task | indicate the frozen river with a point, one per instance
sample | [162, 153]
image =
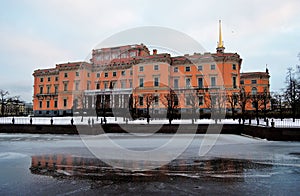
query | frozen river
[63, 165]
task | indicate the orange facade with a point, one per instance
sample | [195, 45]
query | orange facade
[256, 85]
[129, 77]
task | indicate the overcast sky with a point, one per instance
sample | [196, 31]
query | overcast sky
[40, 34]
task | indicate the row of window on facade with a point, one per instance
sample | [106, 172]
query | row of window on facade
[252, 82]
[141, 69]
[55, 103]
[156, 83]
[48, 89]
[49, 79]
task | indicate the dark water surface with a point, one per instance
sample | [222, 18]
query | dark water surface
[62, 165]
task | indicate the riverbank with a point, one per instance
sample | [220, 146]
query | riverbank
[269, 133]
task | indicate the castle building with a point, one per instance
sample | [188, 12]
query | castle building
[129, 77]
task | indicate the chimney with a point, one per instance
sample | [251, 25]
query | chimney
[154, 52]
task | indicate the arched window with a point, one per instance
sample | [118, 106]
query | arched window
[254, 91]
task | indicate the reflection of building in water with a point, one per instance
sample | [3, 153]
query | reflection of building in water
[93, 167]
[63, 162]
[130, 78]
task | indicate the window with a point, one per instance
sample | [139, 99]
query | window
[213, 81]
[156, 67]
[200, 82]
[114, 74]
[49, 79]
[75, 104]
[113, 84]
[88, 85]
[141, 68]
[65, 86]
[48, 89]
[234, 66]
[188, 82]
[41, 79]
[66, 75]
[48, 104]
[88, 74]
[156, 81]
[234, 81]
[41, 104]
[201, 100]
[130, 83]
[175, 69]
[77, 73]
[242, 81]
[156, 100]
[213, 100]
[76, 86]
[187, 100]
[123, 84]
[55, 103]
[97, 86]
[56, 78]
[41, 90]
[254, 91]
[188, 68]
[141, 82]
[65, 103]
[105, 85]
[253, 81]
[106, 74]
[176, 83]
[123, 73]
[235, 99]
[199, 67]
[176, 100]
[141, 101]
[55, 89]
[131, 72]
[98, 75]
[212, 67]
[254, 104]
[132, 54]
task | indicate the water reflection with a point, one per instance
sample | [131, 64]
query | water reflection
[87, 167]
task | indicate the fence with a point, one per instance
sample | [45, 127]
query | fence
[285, 123]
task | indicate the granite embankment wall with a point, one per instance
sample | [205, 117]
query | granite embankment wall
[269, 133]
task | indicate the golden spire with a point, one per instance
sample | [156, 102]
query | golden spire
[220, 44]
[220, 47]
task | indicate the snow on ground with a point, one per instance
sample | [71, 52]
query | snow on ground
[78, 120]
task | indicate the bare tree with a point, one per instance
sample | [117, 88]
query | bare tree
[133, 103]
[264, 101]
[149, 100]
[217, 103]
[244, 98]
[192, 99]
[3, 95]
[276, 103]
[170, 101]
[233, 101]
[292, 93]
